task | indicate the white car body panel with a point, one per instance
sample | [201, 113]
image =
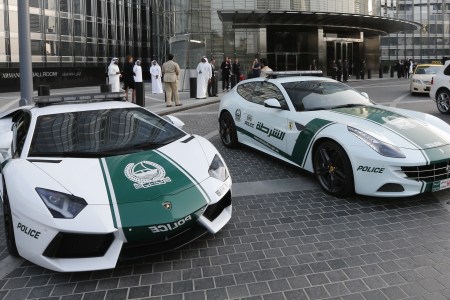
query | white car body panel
[370, 169]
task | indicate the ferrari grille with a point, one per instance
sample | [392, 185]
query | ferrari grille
[428, 173]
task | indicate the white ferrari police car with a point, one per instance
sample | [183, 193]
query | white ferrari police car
[88, 179]
[350, 143]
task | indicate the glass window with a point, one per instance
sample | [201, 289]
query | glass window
[32, 3]
[101, 132]
[35, 23]
[64, 23]
[245, 90]
[77, 28]
[77, 6]
[66, 49]
[51, 48]
[36, 47]
[50, 4]
[264, 90]
[64, 5]
[315, 95]
[50, 24]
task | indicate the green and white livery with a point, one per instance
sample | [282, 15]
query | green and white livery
[84, 184]
[350, 143]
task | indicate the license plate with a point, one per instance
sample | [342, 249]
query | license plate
[441, 185]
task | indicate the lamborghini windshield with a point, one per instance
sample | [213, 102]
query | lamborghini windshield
[317, 95]
[97, 133]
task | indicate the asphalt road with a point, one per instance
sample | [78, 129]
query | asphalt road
[286, 240]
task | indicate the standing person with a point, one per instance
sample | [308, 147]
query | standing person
[411, 68]
[406, 66]
[212, 88]
[128, 79]
[156, 73]
[170, 71]
[313, 65]
[138, 83]
[333, 69]
[345, 67]
[264, 68]
[399, 69]
[256, 68]
[203, 78]
[114, 75]
[339, 70]
[226, 71]
[236, 67]
[363, 68]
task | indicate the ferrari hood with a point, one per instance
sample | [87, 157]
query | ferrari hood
[391, 127]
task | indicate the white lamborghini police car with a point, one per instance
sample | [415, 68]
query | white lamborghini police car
[350, 143]
[86, 179]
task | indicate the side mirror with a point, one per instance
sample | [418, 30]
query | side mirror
[272, 103]
[365, 95]
[174, 121]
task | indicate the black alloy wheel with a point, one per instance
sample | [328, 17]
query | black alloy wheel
[443, 101]
[9, 226]
[333, 169]
[227, 130]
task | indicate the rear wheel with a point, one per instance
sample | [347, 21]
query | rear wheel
[227, 130]
[443, 101]
[9, 227]
[333, 169]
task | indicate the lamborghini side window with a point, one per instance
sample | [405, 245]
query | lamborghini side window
[21, 126]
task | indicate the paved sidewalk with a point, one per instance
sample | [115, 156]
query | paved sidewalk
[155, 102]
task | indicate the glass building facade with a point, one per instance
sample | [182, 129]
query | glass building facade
[288, 46]
[78, 34]
[430, 43]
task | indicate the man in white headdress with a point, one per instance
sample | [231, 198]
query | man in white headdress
[114, 75]
[155, 71]
[203, 77]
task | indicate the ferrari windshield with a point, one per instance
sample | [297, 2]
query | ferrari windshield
[318, 94]
[98, 133]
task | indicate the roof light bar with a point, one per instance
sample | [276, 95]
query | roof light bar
[78, 98]
[276, 74]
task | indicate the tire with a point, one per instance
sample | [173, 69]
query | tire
[8, 222]
[333, 169]
[227, 130]
[443, 101]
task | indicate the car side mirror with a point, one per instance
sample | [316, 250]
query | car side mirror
[174, 121]
[272, 103]
[365, 94]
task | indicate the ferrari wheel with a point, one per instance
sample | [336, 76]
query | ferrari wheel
[333, 169]
[227, 130]
[443, 101]
[9, 227]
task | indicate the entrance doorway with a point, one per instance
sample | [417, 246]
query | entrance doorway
[342, 50]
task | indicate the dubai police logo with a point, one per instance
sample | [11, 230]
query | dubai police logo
[146, 174]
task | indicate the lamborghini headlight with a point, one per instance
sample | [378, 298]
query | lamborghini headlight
[217, 169]
[377, 145]
[60, 205]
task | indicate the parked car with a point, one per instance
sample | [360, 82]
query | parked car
[440, 89]
[87, 179]
[350, 143]
[421, 78]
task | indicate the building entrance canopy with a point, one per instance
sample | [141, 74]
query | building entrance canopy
[370, 25]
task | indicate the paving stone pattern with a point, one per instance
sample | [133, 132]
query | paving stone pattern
[293, 245]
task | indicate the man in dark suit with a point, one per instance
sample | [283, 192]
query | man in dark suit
[212, 86]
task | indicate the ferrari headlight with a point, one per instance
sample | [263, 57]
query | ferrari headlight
[377, 145]
[60, 205]
[217, 169]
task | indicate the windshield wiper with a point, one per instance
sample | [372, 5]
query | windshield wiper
[348, 105]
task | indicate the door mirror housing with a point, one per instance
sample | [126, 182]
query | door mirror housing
[272, 103]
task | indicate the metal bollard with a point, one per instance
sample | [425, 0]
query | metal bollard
[380, 72]
[369, 74]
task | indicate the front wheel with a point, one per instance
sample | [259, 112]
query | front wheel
[333, 169]
[443, 101]
[9, 227]
[227, 130]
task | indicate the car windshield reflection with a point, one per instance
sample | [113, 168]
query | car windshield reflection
[99, 133]
[319, 95]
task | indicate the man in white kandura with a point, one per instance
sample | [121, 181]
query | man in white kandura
[155, 71]
[203, 77]
[114, 75]
[137, 70]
